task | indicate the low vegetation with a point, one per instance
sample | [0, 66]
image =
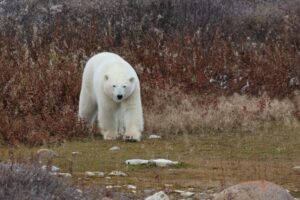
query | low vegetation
[210, 161]
[28, 182]
[203, 64]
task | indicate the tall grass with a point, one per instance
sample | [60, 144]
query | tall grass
[188, 55]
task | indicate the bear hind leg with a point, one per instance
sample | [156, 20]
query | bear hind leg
[87, 110]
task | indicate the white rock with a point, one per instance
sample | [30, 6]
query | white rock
[56, 8]
[185, 194]
[115, 148]
[79, 191]
[296, 168]
[89, 174]
[112, 186]
[99, 174]
[295, 81]
[154, 137]
[158, 196]
[117, 173]
[136, 162]
[53, 168]
[178, 191]
[94, 174]
[132, 187]
[163, 162]
[74, 153]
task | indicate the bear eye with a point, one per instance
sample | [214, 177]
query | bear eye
[124, 86]
[114, 85]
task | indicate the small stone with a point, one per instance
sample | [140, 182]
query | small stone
[158, 196]
[65, 175]
[117, 173]
[154, 137]
[89, 174]
[187, 194]
[60, 174]
[94, 174]
[99, 174]
[56, 8]
[74, 153]
[115, 148]
[112, 186]
[136, 162]
[79, 191]
[52, 169]
[132, 187]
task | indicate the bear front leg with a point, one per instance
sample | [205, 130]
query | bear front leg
[107, 125]
[133, 124]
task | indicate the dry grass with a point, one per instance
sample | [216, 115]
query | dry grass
[197, 114]
[202, 51]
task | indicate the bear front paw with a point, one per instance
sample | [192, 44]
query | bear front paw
[132, 137]
[109, 136]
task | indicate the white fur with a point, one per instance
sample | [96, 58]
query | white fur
[107, 75]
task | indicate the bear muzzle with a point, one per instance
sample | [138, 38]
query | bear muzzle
[119, 96]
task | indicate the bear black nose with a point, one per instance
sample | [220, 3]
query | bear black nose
[119, 96]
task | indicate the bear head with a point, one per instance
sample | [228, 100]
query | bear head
[118, 88]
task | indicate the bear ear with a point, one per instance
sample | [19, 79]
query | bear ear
[131, 80]
[106, 77]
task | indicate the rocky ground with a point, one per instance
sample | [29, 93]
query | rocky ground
[183, 166]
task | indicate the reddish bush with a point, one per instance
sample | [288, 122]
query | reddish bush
[201, 47]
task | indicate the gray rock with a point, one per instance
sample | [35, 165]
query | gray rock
[75, 153]
[93, 174]
[51, 169]
[115, 148]
[295, 81]
[117, 173]
[154, 137]
[296, 168]
[158, 196]
[131, 187]
[258, 190]
[185, 194]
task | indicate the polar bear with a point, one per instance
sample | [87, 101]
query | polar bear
[111, 96]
